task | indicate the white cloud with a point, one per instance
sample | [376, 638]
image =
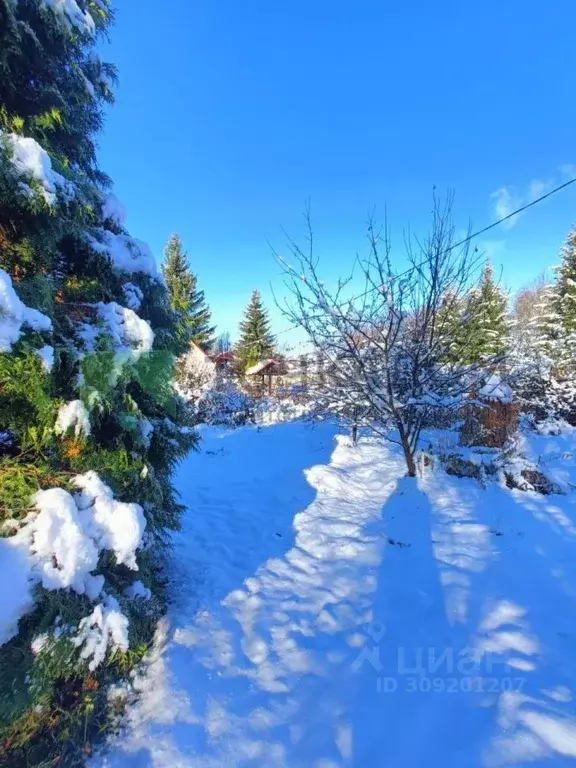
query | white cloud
[568, 171]
[508, 199]
[538, 187]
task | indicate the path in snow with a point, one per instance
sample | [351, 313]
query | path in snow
[323, 611]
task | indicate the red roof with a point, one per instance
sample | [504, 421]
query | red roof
[222, 357]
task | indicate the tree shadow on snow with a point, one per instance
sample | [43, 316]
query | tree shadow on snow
[474, 607]
[412, 651]
[226, 652]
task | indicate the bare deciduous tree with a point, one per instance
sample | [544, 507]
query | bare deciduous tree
[388, 351]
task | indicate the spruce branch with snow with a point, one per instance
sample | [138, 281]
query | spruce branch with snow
[90, 426]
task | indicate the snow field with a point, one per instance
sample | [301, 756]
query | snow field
[329, 612]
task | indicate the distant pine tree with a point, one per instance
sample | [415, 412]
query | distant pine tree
[256, 339]
[485, 325]
[189, 303]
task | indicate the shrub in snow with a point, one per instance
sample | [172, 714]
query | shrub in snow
[227, 405]
[491, 417]
[131, 336]
[274, 410]
[195, 375]
[115, 337]
[114, 525]
[59, 546]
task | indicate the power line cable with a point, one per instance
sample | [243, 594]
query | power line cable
[453, 247]
[471, 237]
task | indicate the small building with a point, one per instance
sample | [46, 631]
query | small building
[491, 416]
[224, 361]
[264, 371]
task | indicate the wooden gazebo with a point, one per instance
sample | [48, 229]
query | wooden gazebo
[265, 370]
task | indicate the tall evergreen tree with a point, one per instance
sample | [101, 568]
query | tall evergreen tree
[486, 324]
[565, 298]
[88, 418]
[256, 339]
[450, 328]
[194, 316]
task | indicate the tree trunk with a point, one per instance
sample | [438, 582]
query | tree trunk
[354, 434]
[409, 456]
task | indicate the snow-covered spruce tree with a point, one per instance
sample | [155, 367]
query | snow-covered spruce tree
[485, 323]
[90, 428]
[451, 327]
[256, 340]
[565, 294]
[526, 315]
[194, 316]
[545, 364]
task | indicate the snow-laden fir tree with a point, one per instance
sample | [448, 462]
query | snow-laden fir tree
[256, 340]
[194, 316]
[485, 322]
[90, 427]
[451, 326]
[565, 298]
[544, 357]
[555, 320]
[556, 338]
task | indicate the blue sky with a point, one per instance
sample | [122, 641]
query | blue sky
[229, 116]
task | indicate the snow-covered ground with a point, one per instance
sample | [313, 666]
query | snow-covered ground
[329, 612]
